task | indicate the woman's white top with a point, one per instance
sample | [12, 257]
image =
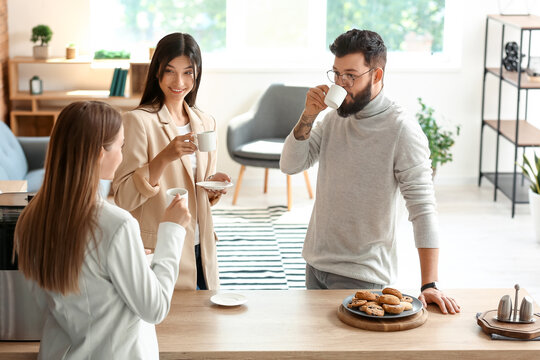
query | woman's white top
[183, 130]
[119, 292]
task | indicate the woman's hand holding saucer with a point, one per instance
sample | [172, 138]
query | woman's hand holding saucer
[219, 176]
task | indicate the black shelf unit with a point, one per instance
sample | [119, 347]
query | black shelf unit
[517, 131]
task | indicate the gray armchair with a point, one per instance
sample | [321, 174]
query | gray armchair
[22, 158]
[256, 138]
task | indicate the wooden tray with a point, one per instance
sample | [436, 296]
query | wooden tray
[519, 331]
[406, 323]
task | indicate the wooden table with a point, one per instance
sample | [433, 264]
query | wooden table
[300, 324]
[13, 186]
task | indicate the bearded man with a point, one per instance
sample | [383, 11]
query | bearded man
[368, 151]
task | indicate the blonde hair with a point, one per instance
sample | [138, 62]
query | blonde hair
[54, 230]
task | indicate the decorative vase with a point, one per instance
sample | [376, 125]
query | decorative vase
[71, 53]
[41, 52]
[534, 203]
[36, 85]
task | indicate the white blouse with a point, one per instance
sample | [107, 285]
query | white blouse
[119, 292]
[183, 130]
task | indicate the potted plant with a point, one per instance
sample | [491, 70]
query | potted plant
[111, 54]
[41, 33]
[71, 51]
[532, 172]
[440, 140]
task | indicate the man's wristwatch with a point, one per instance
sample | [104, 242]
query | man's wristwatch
[433, 285]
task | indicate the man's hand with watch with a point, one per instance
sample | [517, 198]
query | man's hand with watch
[430, 293]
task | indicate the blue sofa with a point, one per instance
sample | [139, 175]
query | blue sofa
[22, 158]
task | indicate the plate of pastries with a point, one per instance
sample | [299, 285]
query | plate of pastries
[387, 303]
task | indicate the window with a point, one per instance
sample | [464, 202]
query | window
[266, 32]
[409, 25]
[139, 24]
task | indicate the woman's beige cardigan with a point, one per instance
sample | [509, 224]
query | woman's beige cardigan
[146, 134]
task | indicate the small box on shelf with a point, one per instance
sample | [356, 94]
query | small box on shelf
[533, 71]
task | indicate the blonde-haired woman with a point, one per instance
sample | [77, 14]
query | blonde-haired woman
[85, 255]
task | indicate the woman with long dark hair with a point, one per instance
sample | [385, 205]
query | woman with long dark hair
[85, 256]
[160, 154]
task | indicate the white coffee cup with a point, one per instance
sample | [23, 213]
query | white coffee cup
[206, 141]
[171, 193]
[335, 96]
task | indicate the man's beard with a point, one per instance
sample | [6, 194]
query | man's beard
[359, 102]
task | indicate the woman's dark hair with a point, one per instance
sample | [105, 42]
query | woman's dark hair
[366, 42]
[168, 48]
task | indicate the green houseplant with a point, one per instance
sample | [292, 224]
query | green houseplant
[440, 140]
[42, 34]
[532, 172]
[110, 54]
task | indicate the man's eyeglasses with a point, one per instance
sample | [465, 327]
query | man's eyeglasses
[346, 79]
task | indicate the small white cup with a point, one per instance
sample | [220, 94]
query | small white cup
[335, 96]
[171, 193]
[206, 141]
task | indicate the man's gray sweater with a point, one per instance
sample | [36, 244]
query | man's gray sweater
[363, 159]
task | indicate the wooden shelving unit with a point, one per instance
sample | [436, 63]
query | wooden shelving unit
[34, 115]
[512, 78]
[512, 184]
[529, 135]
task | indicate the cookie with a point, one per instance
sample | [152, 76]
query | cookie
[392, 309]
[388, 299]
[406, 305]
[375, 310]
[365, 295]
[355, 303]
[364, 307]
[407, 299]
[391, 291]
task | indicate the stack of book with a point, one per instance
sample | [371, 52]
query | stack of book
[118, 84]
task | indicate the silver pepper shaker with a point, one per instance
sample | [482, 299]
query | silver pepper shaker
[526, 309]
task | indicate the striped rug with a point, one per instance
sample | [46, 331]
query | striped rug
[257, 252]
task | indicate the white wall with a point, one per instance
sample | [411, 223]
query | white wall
[455, 93]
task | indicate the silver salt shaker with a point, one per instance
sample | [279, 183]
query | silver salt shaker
[526, 309]
[505, 308]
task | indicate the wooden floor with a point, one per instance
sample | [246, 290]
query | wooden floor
[481, 245]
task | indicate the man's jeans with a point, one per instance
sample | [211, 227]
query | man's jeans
[317, 279]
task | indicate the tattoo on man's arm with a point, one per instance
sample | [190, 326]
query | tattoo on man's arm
[303, 128]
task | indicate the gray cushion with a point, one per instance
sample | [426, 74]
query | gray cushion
[34, 179]
[35, 149]
[13, 165]
[264, 149]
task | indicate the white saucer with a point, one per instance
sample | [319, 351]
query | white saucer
[228, 299]
[215, 185]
